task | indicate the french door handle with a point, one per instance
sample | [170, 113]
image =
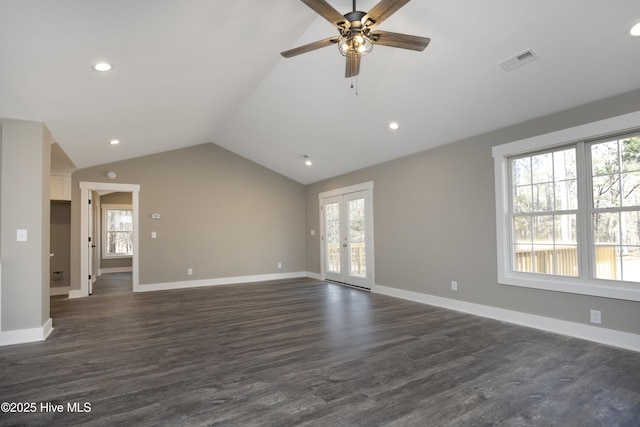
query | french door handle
[344, 245]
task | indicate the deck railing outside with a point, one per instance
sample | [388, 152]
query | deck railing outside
[357, 259]
[540, 260]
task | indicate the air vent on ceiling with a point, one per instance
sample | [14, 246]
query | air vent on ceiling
[519, 59]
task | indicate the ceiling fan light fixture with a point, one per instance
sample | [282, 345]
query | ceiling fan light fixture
[355, 41]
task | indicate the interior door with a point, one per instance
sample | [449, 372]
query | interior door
[90, 244]
[347, 243]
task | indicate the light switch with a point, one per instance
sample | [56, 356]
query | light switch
[313, 232]
[21, 235]
[153, 235]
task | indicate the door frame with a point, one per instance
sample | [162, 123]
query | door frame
[85, 188]
[366, 187]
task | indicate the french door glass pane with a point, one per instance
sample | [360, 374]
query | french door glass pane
[357, 238]
[332, 213]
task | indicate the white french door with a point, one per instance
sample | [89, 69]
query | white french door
[347, 238]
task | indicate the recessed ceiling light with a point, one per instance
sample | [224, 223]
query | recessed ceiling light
[394, 125]
[114, 142]
[102, 66]
[307, 160]
[635, 30]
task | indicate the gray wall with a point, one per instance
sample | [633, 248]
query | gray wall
[434, 222]
[222, 215]
[24, 202]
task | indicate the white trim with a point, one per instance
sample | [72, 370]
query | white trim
[313, 275]
[22, 336]
[597, 334]
[85, 187]
[102, 271]
[58, 290]
[76, 293]
[234, 280]
[501, 153]
[595, 130]
[108, 186]
[367, 188]
[346, 190]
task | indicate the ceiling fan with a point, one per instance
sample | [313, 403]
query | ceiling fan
[356, 36]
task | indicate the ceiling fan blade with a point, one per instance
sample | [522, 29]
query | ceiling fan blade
[309, 47]
[327, 11]
[403, 41]
[382, 11]
[353, 64]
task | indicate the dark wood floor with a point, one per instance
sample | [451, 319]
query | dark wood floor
[303, 352]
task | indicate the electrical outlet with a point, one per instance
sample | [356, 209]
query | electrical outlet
[596, 316]
[454, 285]
[189, 271]
[279, 265]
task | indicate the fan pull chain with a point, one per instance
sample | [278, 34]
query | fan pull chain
[356, 85]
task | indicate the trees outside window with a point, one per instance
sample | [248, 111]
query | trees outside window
[118, 231]
[568, 209]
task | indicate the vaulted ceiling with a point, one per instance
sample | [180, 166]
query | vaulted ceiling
[194, 71]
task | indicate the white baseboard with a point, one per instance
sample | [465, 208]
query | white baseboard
[219, 281]
[22, 336]
[312, 275]
[76, 293]
[102, 271]
[597, 334]
[59, 290]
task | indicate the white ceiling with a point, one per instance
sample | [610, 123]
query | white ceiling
[194, 71]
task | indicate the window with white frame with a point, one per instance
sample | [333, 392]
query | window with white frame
[117, 231]
[568, 210]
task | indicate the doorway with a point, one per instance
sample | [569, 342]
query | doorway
[347, 235]
[87, 238]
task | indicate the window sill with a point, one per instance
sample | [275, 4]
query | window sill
[117, 256]
[597, 288]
